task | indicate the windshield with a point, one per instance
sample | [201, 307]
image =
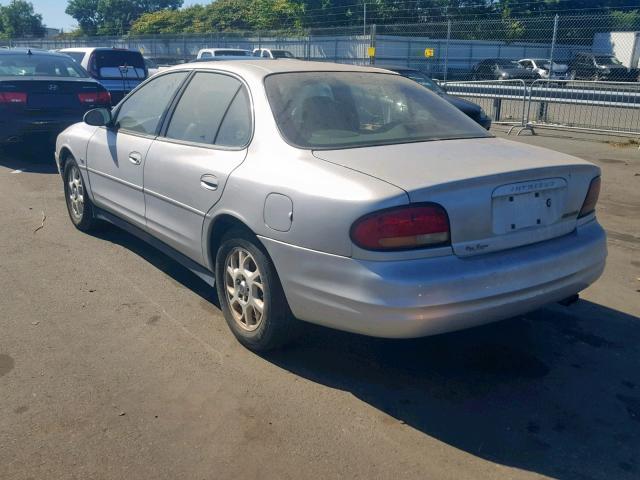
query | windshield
[281, 54]
[327, 110]
[606, 60]
[423, 80]
[23, 64]
[508, 64]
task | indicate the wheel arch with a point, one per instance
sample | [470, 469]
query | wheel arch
[218, 227]
[65, 153]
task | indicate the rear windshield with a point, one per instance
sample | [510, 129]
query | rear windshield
[326, 110]
[118, 58]
[24, 65]
[423, 80]
[281, 54]
[232, 53]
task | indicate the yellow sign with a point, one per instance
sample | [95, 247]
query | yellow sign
[429, 52]
[371, 51]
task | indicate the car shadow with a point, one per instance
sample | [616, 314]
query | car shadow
[162, 262]
[556, 392]
[33, 157]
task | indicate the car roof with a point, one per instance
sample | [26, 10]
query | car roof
[399, 68]
[91, 49]
[217, 49]
[34, 52]
[260, 69]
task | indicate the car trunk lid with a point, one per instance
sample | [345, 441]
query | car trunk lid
[498, 194]
[52, 95]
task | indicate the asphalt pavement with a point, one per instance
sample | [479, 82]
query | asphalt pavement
[116, 363]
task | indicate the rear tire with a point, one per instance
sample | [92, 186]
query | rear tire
[250, 293]
[79, 205]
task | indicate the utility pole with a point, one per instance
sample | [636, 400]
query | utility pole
[553, 45]
[364, 23]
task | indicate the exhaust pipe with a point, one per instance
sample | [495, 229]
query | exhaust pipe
[569, 300]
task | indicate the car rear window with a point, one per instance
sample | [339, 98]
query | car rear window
[25, 65]
[327, 110]
[117, 58]
[232, 53]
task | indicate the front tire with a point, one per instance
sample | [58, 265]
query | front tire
[79, 205]
[250, 293]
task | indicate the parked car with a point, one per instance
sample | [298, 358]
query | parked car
[472, 110]
[593, 66]
[43, 92]
[272, 53]
[157, 64]
[542, 66]
[501, 69]
[222, 52]
[345, 196]
[118, 69]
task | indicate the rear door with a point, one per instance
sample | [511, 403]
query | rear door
[116, 155]
[187, 167]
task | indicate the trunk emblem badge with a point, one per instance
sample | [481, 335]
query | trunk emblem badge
[53, 87]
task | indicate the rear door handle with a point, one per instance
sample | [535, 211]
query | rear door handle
[209, 182]
[135, 158]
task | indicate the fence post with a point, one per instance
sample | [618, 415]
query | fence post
[446, 50]
[372, 44]
[553, 44]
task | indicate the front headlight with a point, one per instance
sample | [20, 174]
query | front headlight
[606, 71]
[504, 75]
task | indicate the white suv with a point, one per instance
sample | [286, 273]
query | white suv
[222, 52]
[272, 53]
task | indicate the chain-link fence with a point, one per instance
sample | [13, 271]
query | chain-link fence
[564, 49]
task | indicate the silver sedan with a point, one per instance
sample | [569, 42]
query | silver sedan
[344, 196]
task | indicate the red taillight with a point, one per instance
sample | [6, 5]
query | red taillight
[402, 228]
[13, 97]
[589, 204]
[95, 97]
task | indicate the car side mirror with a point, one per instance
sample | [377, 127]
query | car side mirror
[98, 117]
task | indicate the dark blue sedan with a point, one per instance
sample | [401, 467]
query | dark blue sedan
[43, 93]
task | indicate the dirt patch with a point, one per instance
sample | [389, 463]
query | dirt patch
[6, 364]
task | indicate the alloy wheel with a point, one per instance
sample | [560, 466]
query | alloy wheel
[75, 192]
[244, 289]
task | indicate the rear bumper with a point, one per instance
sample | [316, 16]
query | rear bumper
[413, 298]
[19, 129]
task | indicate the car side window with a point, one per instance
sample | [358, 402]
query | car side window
[212, 105]
[235, 129]
[206, 55]
[143, 110]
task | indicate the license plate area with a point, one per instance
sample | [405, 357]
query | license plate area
[528, 205]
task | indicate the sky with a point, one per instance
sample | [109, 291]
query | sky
[53, 15]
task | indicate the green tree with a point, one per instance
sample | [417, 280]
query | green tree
[114, 17]
[18, 19]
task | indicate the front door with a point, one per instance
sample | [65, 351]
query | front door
[188, 165]
[116, 154]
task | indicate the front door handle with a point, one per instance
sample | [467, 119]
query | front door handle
[135, 158]
[209, 182]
